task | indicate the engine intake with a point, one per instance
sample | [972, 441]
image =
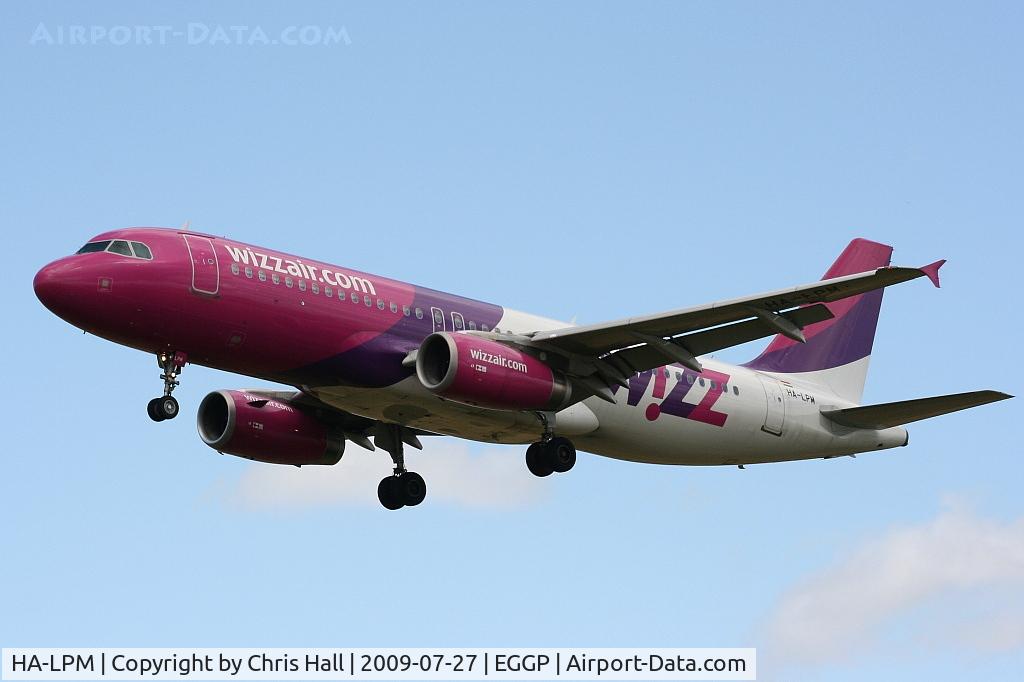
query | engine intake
[477, 371]
[265, 430]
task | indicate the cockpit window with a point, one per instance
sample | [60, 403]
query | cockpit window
[118, 246]
[121, 247]
[142, 251]
[93, 247]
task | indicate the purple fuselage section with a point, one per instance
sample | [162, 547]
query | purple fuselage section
[253, 311]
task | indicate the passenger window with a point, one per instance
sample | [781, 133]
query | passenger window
[93, 247]
[380, 304]
[248, 272]
[235, 269]
[679, 376]
[394, 307]
[328, 292]
[315, 288]
[458, 322]
[472, 326]
[121, 247]
[406, 310]
[419, 313]
[369, 303]
[668, 374]
[288, 282]
[438, 318]
[484, 328]
[355, 298]
[689, 378]
[702, 381]
[276, 277]
[262, 274]
[302, 285]
[713, 385]
[735, 390]
[142, 251]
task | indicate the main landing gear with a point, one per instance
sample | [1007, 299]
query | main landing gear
[166, 407]
[551, 454]
[544, 458]
[403, 488]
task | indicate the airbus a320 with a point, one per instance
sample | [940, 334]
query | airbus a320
[381, 364]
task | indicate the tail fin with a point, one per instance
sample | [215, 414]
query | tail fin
[837, 351]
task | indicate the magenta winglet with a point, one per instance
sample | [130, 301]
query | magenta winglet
[932, 271]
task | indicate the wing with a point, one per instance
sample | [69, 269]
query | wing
[601, 354]
[355, 428]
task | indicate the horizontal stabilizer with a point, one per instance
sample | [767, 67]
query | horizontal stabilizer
[895, 414]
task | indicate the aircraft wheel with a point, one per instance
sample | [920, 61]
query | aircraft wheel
[167, 407]
[411, 488]
[387, 493]
[153, 409]
[560, 454]
[537, 461]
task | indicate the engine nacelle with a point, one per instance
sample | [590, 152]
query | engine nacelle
[273, 431]
[477, 371]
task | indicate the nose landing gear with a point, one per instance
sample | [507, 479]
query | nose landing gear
[166, 406]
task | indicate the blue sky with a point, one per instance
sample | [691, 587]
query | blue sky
[587, 160]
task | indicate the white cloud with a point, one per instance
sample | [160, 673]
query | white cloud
[455, 474]
[837, 613]
[1000, 631]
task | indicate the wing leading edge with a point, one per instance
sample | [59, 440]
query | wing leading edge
[612, 351]
[609, 336]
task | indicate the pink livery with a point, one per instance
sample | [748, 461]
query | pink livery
[381, 364]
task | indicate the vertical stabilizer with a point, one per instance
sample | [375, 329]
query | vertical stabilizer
[837, 351]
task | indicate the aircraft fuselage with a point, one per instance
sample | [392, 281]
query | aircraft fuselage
[342, 335]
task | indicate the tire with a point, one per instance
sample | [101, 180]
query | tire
[536, 461]
[412, 489]
[560, 454]
[154, 410]
[167, 407]
[387, 493]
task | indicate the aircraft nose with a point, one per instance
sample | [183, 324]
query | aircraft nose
[47, 283]
[57, 285]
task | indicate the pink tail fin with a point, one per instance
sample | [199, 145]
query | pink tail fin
[844, 339]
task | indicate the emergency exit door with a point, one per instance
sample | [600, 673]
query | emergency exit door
[438, 318]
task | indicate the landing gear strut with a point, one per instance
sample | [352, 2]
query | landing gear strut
[403, 488]
[551, 454]
[166, 407]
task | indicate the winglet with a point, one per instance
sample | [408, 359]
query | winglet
[932, 271]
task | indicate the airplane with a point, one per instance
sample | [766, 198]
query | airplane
[369, 357]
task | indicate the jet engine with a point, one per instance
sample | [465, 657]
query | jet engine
[477, 371]
[266, 430]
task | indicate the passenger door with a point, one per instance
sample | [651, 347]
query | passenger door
[775, 417]
[205, 270]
